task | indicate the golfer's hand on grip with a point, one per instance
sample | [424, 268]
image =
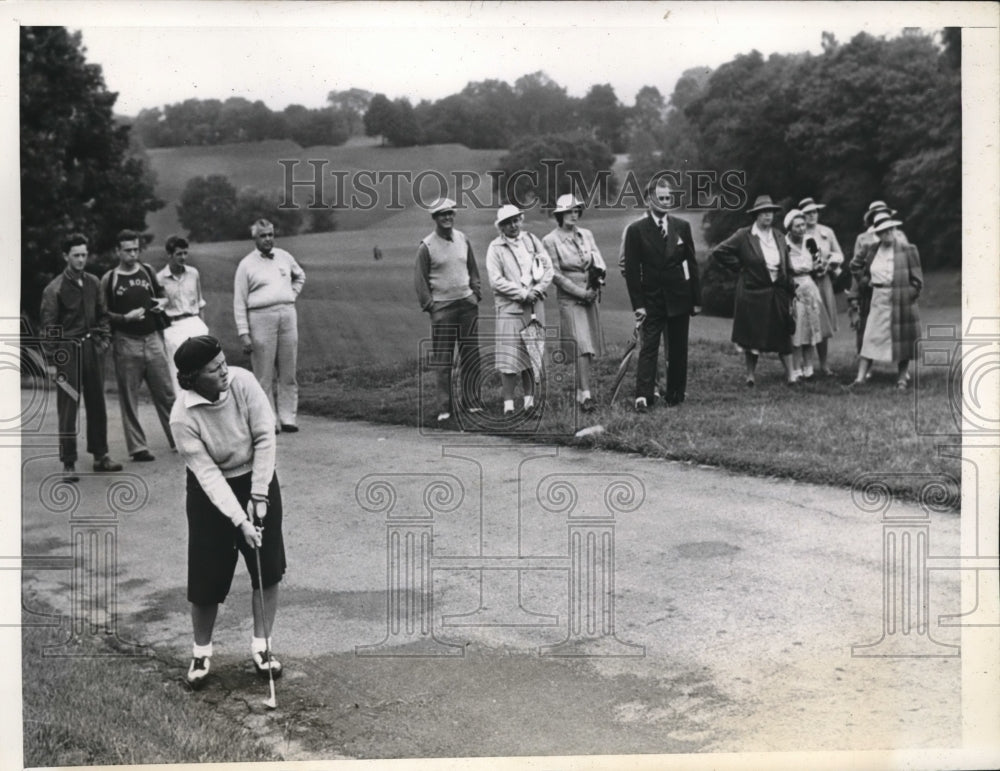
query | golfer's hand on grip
[252, 535]
[256, 509]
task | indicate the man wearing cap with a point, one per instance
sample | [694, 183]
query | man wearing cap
[268, 282]
[135, 306]
[520, 273]
[830, 262]
[448, 288]
[73, 301]
[225, 434]
[661, 274]
[182, 285]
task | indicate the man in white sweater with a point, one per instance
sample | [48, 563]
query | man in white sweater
[267, 284]
[224, 430]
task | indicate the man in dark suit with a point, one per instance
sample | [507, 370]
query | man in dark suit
[661, 273]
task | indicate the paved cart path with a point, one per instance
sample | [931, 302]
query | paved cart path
[741, 596]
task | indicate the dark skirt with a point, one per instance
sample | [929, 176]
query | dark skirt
[762, 319]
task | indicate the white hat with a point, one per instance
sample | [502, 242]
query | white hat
[883, 221]
[874, 208]
[505, 212]
[808, 204]
[790, 217]
[567, 202]
[440, 205]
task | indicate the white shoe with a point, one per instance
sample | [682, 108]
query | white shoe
[198, 671]
[262, 664]
[443, 416]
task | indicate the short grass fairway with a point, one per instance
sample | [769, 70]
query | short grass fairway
[85, 706]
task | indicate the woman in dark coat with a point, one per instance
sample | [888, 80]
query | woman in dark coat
[887, 282]
[762, 317]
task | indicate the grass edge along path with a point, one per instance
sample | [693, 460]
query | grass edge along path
[819, 432]
[93, 707]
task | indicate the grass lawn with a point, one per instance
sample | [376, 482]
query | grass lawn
[95, 708]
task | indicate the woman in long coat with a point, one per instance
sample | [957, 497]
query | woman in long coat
[575, 259]
[520, 272]
[887, 282]
[762, 318]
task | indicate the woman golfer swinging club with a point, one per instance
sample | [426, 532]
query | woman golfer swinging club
[224, 430]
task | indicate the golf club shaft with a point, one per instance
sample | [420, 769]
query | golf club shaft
[263, 619]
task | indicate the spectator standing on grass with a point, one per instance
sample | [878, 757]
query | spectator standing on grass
[73, 301]
[866, 238]
[762, 317]
[520, 272]
[887, 283]
[267, 284]
[448, 288]
[661, 273]
[182, 285]
[135, 306]
[578, 273]
[225, 434]
[811, 322]
[830, 264]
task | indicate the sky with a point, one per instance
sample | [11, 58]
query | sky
[427, 51]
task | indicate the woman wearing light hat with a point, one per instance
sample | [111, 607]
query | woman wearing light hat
[578, 272]
[811, 324]
[829, 265]
[887, 282]
[520, 272]
[865, 239]
[224, 429]
[762, 317]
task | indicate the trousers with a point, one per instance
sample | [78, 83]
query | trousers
[82, 372]
[274, 333]
[139, 359]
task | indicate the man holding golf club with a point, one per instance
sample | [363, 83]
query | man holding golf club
[224, 428]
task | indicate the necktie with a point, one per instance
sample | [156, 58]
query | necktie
[663, 228]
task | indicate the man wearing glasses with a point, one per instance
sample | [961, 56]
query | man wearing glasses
[135, 306]
[661, 274]
[448, 288]
[182, 285]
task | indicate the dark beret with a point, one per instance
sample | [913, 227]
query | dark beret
[196, 352]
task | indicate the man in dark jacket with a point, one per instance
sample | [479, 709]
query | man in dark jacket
[661, 273]
[74, 303]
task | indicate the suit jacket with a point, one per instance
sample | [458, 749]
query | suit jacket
[661, 273]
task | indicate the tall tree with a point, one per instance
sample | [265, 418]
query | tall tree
[353, 102]
[601, 110]
[379, 116]
[76, 170]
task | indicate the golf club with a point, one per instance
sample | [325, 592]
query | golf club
[623, 367]
[270, 703]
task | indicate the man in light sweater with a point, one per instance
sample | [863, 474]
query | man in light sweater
[224, 430]
[268, 282]
[448, 288]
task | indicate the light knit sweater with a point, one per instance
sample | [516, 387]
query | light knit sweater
[227, 438]
[264, 281]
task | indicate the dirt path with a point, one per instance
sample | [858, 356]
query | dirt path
[736, 601]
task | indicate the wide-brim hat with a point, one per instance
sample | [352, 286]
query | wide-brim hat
[762, 204]
[440, 205]
[874, 208]
[790, 217]
[808, 204]
[884, 221]
[568, 202]
[506, 212]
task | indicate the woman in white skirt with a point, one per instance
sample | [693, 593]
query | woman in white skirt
[578, 271]
[520, 273]
[887, 282]
[812, 325]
